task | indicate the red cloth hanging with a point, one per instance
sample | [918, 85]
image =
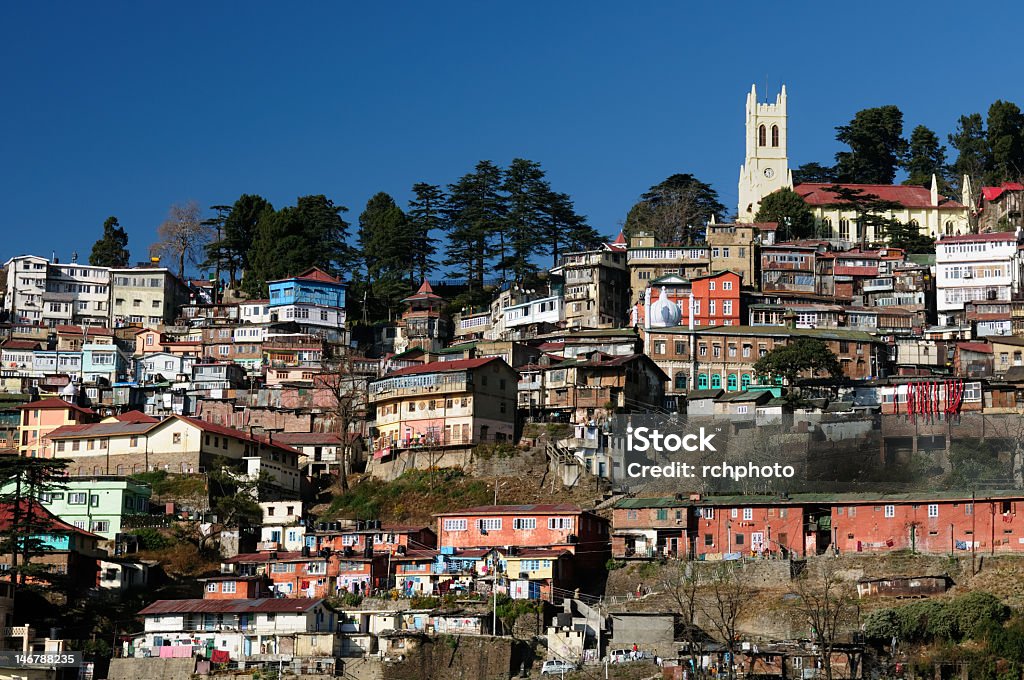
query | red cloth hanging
[220, 656]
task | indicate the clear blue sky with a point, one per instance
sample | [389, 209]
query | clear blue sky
[124, 108]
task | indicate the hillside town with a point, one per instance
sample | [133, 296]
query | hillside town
[277, 487]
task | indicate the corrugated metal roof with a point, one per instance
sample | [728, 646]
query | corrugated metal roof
[276, 605]
[540, 508]
[660, 502]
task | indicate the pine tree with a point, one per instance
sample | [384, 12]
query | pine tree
[111, 250]
[788, 209]
[525, 190]
[238, 230]
[474, 215]
[1005, 142]
[563, 229]
[675, 210]
[926, 157]
[971, 143]
[877, 147]
[386, 243]
[426, 216]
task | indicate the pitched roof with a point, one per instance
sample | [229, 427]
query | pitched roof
[656, 502]
[41, 517]
[425, 292]
[311, 274]
[54, 402]
[11, 343]
[136, 417]
[84, 330]
[539, 508]
[908, 196]
[232, 432]
[979, 347]
[443, 366]
[110, 429]
[993, 193]
[276, 605]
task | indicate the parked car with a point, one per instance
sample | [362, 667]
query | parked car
[557, 667]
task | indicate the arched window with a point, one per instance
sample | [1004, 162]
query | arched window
[731, 383]
[915, 225]
[120, 470]
[826, 226]
[716, 381]
[702, 381]
[775, 135]
[949, 227]
[844, 229]
[761, 134]
[680, 381]
[136, 468]
[97, 470]
[745, 381]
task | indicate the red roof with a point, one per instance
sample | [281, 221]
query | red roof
[276, 605]
[536, 508]
[19, 344]
[853, 270]
[232, 432]
[974, 238]
[136, 417]
[979, 347]
[443, 366]
[425, 292]
[315, 274]
[619, 243]
[84, 330]
[41, 517]
[993, 193]
[54, 402]
[908, 196]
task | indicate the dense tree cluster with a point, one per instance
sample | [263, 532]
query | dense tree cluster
[675, 210]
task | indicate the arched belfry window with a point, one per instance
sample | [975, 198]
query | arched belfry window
[761, 136]
[775, 135]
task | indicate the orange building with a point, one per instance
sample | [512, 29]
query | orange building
[716, 300]
[235, 587]
[40, 418]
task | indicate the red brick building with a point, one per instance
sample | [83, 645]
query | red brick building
[310, 574]
[716, 300]
[235, 587]
[560, 525]
[381, 538]
[937, 522]
[650, 527]
[731, 526]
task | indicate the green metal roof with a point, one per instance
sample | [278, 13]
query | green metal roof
[657, 502]
[755, 331]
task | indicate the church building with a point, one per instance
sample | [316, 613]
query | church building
[766, 170]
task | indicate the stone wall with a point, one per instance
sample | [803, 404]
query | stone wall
[450, 657]
[151, 669]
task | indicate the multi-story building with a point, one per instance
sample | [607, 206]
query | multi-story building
[596, 385]
[373, 536]
[147, 295]
[76, 294]
[646, 261]
[177, 444]
[561, 525]
[790, 267]
[298, 631]
[314, 300]
[26, 284]
[976, 267]
[596, 287]
[531, 314]
[99, 505]
[424, 323]
[723, 357]
[1001, 207]
[448, 403]
[163, 366]
[734, 247]
[284, 526]
[40, 418]
[650, 527]
[710, 299]
[737, 526]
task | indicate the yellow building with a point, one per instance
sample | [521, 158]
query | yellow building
[934, 214]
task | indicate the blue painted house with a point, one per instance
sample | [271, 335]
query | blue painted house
[314, 300]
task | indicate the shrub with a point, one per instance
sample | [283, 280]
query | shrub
[152, 539]
[613, 564]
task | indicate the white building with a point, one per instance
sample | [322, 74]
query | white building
[545, 310]
[254, 311]
[26, 283]
[145, 295]
[975, 267]
[163, 364]
[283, 526]
[76, 294]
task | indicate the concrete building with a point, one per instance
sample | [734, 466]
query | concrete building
[449, 403]
[147, 295]
[766, 166]
[314, 300]
[596, 286]
[40, 418]
[26, 284]
[976, 267]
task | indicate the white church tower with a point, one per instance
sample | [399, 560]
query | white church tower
[766, 168]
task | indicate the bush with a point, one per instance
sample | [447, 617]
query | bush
[613, 564]
[975, 611]
[152, 539]
[421, 602]
[346, 599]
[971, 616]
[882, 625]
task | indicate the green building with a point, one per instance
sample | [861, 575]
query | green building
[97, 503]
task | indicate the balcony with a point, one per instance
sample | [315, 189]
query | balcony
[877, 285]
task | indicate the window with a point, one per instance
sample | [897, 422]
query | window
[844, 229]
[489, 524]
[100, 526]
[739, 539]
[211, 587]
[731, 383]
[229, 586]
[662, 514]
[933, 509]
[761, 135]
[176, 437]
[716, 381]
[680, 381]
[77, 498]
[709, 540]
[711, 284]
[455, 525]
[94, 501]
[890, 511]
[707, 513]
[748, 514]
[560, 523]
[745, 381]
[659, 346]
[775, 135]
[525, 523]
[702, 382]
